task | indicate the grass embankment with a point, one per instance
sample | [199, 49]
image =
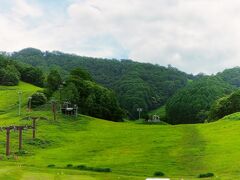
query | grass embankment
[161, 112]
[132, 151]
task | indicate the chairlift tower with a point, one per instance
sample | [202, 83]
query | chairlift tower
[29, 104]
[139, 112]
[19, 102]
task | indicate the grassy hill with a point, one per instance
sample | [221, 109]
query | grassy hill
[161, 112]
[132, 151]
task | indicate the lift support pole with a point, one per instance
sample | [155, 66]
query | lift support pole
[8, 130]
[20, 138]
[8, 141]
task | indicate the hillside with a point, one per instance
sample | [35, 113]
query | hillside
[132, 151]
[192, 103]
[136, 84]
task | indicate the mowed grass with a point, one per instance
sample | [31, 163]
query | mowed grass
[132, 151]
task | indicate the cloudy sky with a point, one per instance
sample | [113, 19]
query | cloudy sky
[192, 35]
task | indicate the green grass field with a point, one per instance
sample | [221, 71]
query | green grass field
[133, 151]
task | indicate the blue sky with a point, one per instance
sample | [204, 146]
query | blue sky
[192, 35]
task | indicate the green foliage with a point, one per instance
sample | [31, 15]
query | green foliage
[81, 73]
[159, 173]
[206, 175]
[91, 98]
[232, 76]
[70, 93]
[97, 169]
[38, 99]
[135, 84]
[32, 75]
[69, 166]
[192, 103]
[51, 166]
[225, 106]
[9, 75]
[53, 80]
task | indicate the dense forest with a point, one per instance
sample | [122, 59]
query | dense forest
[136, 84]
[123, 84]
[192, 103]
[12, 72]
[224, 106]
[79, 89]
[231, 76]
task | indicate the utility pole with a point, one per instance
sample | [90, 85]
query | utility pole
[34, 127]
[60, 96]
[20, 137]
[76, 110]
[139, 112]
[8, 129]
[29, 104]
[19, 102]
[54, 109]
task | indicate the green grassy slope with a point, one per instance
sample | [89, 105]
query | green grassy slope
[161, 112]
[132, 151]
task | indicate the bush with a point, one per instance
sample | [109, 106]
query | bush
[38, 99]
[96, 169]
[205, 175]
[82, 167]
[21, 153]
[39, 143]
[225, 106]
[51, 165]
[102, 169]
[159, 173]
[69, 166]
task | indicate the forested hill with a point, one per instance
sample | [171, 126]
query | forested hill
[136, 84]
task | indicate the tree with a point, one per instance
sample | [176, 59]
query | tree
[192, 103]
[38, 99]
[225, 106]
[53, 80]
[70, 93]
[91, 98]
[9, 75]
[32, 75]
[129, 80]
[81, 73]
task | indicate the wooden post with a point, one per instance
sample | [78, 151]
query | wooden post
[8, 141]
[34, 128]
[54, 110]
[20, 138]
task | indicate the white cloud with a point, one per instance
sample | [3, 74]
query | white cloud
[193, 35]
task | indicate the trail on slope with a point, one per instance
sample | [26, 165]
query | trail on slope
[191, 150]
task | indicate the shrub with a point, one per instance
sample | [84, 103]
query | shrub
[205, 175]
[97, 169]
[69, 166]
[82, 167]
[158, 173]
[21, 153]
[102, 169]
[38, 99]
[39, 143]
[51, 165]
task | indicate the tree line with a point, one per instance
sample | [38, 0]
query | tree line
[135, 84]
